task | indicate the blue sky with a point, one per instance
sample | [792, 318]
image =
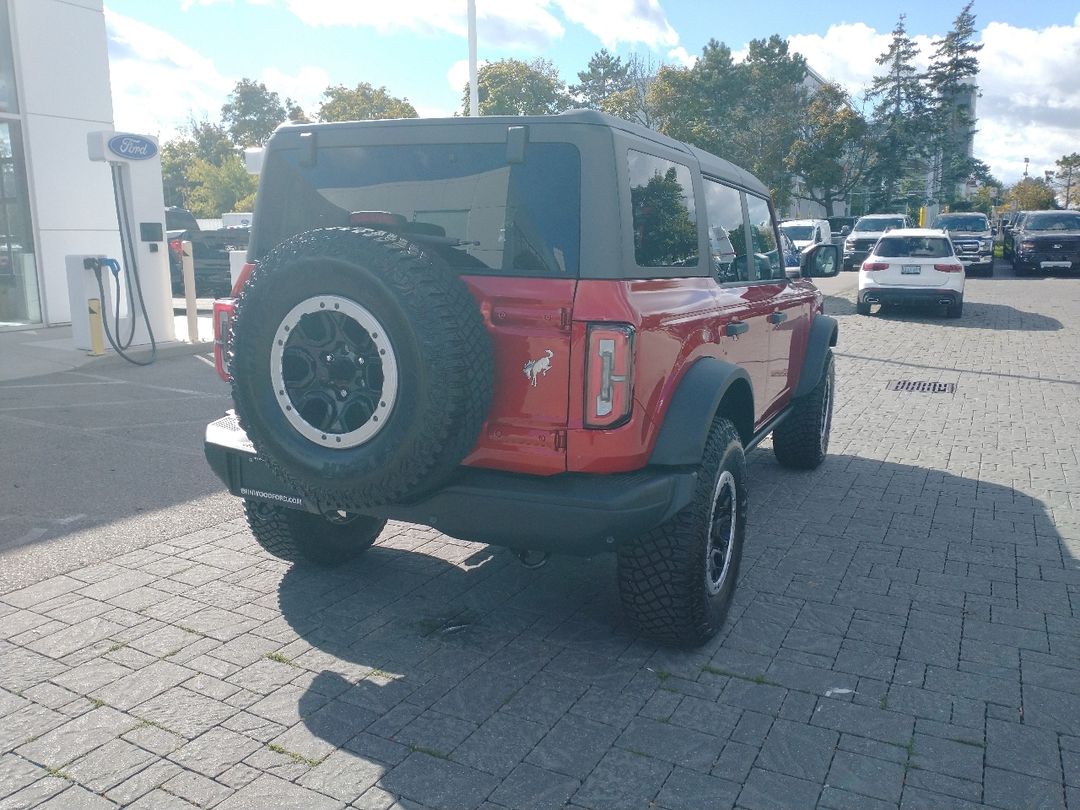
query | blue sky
[197, 49]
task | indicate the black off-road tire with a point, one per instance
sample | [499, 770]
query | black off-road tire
[676, 582]
[301, 537]
[801, 441]
[862, 308]
[955, 310]
[396, 400]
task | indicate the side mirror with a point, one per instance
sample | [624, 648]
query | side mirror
[820, 261]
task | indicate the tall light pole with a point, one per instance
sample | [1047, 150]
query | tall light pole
[474, 93]
[1025, 159]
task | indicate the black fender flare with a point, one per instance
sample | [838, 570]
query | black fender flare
[823, 334]
[692, 410]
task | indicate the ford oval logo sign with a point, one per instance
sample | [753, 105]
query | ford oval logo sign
[132, 147]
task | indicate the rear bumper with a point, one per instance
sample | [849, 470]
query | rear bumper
[573, 513]
[909, 295]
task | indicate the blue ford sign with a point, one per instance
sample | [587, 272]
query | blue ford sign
[132, 147]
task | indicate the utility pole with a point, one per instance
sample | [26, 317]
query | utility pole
[474, 93]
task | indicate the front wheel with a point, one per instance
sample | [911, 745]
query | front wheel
[676, 582]
[303, 537]
[801, 441]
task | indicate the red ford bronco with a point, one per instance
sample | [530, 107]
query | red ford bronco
[554, 334]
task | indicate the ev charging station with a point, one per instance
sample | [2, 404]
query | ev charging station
[133, 290]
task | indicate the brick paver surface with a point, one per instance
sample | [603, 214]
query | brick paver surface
[905, 632]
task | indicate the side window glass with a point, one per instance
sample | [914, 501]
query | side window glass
[664, 215]
[727, 232]
[766, 253]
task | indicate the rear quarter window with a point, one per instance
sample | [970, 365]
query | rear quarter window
[664, 212]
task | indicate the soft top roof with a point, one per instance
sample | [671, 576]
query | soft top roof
[709, 163]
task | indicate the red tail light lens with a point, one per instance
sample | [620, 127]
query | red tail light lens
[223, 312]
[870, 267]
[949, 267]
[609, 365]
[241, 280]
[176, 248]
[377, 219]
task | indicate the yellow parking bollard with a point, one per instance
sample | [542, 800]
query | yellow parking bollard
[97, 332]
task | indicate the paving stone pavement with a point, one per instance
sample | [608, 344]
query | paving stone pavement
[905, 632]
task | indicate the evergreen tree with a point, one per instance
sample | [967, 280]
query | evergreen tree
[951, 83]
[605, 76]
[1067, 179]
[901, 122]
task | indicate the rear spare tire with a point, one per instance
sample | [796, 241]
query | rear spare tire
[361, 367]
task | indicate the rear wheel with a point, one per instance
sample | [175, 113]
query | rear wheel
[303, 537]
[676, 582]
[862, 308]
[802, 440]
[957, 309]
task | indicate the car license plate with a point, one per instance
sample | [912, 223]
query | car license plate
[1055, 264]
[910, 269]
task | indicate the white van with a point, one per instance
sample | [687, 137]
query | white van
[807, 232]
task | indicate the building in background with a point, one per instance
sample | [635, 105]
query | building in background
[54, 89]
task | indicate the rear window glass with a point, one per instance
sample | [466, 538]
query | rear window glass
[462, 201]
[963, 222]
[800, 233]
[878, 223]
[665, 218]
[914, 247]
[1062, 221]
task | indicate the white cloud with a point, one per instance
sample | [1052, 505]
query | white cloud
[629, 21]
[1029, 103]
[304, 87]
[681, 56]
[158, 81]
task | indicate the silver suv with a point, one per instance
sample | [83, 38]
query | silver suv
[972, 238]
[864, 236]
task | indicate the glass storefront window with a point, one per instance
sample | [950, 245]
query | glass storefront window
[20, 304]
[8, 100]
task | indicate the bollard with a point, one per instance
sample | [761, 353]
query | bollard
[97, 332]
[189, 293]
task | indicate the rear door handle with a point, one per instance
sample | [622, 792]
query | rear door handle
[777, 317]
[736, 328]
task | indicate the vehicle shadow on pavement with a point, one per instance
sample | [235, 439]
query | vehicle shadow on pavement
[977, 315]
[910, 632]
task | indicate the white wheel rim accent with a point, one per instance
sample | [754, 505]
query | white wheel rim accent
[321, 304]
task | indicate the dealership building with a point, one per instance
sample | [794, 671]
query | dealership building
[54, 201]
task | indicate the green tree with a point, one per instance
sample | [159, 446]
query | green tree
[605, 76]
[831, 151]
[251, 113]
[901, 123]
[1067, 178]
[986, 197]
[176, 157]
[219, 189]
[746, 112]
[950, 80]
[362, 103]
[1031, 194]
[513, 87]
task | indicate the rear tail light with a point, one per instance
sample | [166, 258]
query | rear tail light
[241, 280]
[223, 312]
[870, 267]
[377, 219]
[609, 365]
[949, 267]
[176, 249]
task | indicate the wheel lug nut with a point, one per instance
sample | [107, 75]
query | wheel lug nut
[342, 393]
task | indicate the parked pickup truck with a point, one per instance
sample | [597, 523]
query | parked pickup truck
[210, 251]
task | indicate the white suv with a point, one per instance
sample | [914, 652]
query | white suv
[912, 266]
